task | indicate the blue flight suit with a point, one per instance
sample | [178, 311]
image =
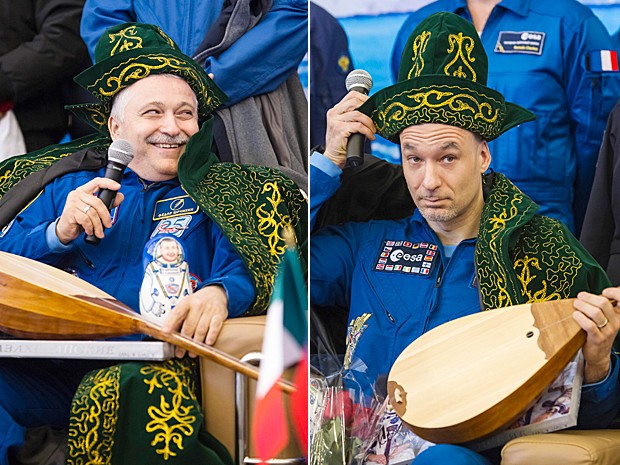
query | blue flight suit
[331, 63]
[553, 158]
[37, 392]
[115, 265]
[376, 270]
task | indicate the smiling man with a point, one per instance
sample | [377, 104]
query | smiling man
[474, 242]
[160, 102]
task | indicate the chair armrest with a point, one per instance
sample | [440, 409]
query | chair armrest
[239, 336]
[592, 447]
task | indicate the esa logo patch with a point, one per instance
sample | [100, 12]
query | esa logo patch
[527, 42]
[406, 257]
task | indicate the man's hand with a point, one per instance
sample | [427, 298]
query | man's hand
[601, 321]
[85, 212]
[199, 316]
[342, 121]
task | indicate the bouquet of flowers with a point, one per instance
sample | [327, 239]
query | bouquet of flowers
[345, 411]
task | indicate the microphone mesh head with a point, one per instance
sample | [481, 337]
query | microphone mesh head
[359, 78]
[120, 151]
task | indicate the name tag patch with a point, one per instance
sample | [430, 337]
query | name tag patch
[176, 206]
[528, 42]
[406, 257]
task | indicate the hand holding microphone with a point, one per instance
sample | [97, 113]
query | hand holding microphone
[84, 211]
[360, 81]
[347, 128]
[120, 154]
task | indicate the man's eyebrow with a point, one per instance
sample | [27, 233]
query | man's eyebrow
[158, 103]
[409, 147]
[449, 145]
[153, 102]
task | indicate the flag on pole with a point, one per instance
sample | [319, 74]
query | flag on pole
[284, 344]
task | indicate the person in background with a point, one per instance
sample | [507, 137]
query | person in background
[252, 49]
[601, 228]
[474, 243]
[164, 113]
[40, 52]
[331, 63]
[551, 57]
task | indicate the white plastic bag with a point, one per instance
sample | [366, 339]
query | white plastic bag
[11, 138]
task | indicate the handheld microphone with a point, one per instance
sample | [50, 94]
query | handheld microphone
[120, 154]
[359, 81]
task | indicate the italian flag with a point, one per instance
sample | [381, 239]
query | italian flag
[284, 345]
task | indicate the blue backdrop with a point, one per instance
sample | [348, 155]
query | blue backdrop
[371, 37]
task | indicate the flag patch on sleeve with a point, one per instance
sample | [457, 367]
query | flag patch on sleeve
[602, 60]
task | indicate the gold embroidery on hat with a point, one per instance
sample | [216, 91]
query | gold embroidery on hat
[165, 36]
[125, 39]
[132, 70]
[452, 105]
[97, 116]
[462, 42]
[419, 46]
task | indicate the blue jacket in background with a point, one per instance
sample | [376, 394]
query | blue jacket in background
[257, 63]
[331, 63]
[115, 265]
[553, 158]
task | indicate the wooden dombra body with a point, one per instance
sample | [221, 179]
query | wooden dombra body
[38, 301]
[470, 377]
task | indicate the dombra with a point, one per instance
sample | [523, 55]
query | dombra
[38, 301]
[473, 376]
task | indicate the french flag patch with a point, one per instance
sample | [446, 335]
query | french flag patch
[602, 60]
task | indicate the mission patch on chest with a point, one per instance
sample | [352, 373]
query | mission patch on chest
[406, 257]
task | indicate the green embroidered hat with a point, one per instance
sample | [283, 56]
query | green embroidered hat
[129, 52]
[442, 79]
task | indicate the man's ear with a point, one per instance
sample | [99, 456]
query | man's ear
[114, 128]
[485, 156]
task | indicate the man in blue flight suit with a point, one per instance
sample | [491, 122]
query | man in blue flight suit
[331, 63]
[545, 56]
[153, 97]
[474, 243]
[226, 38]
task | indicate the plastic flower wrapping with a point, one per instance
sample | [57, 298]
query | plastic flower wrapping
[344, 411]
